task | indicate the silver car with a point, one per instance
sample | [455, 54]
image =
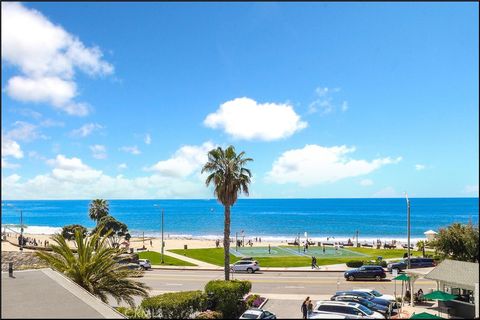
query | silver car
[248, 266]
[145, 264]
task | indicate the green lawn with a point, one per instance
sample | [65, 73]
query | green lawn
[156, 258]
[215, 256]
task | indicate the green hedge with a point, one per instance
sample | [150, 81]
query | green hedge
[227, 296]
[175, 305]
[354, 263]
[382, 263]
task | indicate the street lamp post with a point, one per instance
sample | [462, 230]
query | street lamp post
[21, 231]
[408, 231]
[156, 205]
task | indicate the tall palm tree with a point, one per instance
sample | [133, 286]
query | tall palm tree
[230, 178]
[94, 267]
[98, 209]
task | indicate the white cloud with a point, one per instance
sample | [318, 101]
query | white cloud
[244, 118]
[99, 151]
[11, 148]
[133, 150]
[8, 165]
[366, 182]
[70, 178]
[47, 56]
[85, 130]
[184, 162]
[387, 192]
[315, 164]
[72, 170]
[324, 101]
[122, 166]
[471, 189]
[148, 139]
[24, 131]
[419, 167]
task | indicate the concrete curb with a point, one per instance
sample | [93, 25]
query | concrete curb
[263, 303]
[154, 267]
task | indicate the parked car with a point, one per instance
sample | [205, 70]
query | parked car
[377, 294]
[414, 263]
[351, 310]
[363, 301]
[249, 265]
[145, 264]
[255, 313]
[365, 272]
[366, 295]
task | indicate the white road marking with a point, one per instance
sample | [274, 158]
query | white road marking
[294, 287]
[174, 284]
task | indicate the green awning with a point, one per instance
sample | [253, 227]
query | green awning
[402, 277]
[425, 315]
[439, 295]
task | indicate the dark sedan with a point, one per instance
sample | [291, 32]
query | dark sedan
[366, 272]
[365, 295]
[363, 301]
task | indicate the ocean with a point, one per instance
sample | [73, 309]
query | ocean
[267, 218]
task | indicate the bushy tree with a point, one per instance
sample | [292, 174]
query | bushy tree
[68, 232]
[115, 230]
[230, 178]
[227, 296]
[175, 305]
[98, 209]
[94, 267]
[458, 241]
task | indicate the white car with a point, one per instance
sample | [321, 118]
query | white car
[350, 310]
[145, 264]
[257, 314]
[242, 265]
[377, 294]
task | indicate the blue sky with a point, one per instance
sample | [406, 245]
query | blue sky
[123, 100]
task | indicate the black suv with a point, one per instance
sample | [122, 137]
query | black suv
[414, 263]
[365, 272]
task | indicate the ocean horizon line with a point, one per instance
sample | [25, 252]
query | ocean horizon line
[209, 199]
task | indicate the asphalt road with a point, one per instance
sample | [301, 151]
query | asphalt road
[285, 290]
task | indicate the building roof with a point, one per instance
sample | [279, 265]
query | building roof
[45, 293]
[464, 274]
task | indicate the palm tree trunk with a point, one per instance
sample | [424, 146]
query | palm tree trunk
[226, 242]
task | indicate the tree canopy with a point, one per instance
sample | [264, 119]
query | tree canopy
[98, 209]
[459, 242]
[68, 232]
[114, 229]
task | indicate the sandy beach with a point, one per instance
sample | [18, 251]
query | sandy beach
[154, 243]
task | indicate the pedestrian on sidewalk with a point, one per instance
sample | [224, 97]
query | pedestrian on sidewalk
[269, 249]
[313, 262]
[304, 308]
[309, 308]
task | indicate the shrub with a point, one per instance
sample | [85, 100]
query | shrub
[227, 296]
[382, 263]
[132, 313]
[175, 305]
[354, 263]
[209, 314]
[250, 299]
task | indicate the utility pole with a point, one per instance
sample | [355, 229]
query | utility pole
[357, 238]
[408, 231]
[143, 239]
[162, 236]
[298, 241]
[21, 231]
[236, 241]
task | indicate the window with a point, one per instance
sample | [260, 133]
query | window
[347, 310]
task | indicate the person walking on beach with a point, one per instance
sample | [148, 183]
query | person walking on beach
[304, 308]
[269, 249]
[151, 243]
[323, 249]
